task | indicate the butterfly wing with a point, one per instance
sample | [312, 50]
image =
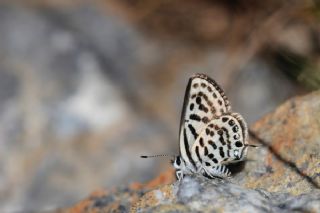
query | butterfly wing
[203, 101]
[222, 141]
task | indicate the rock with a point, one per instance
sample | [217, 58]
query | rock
[288, 159]
[282, 175]
[198, 194]
[120, 199]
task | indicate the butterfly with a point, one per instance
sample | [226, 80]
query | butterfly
[211, 135]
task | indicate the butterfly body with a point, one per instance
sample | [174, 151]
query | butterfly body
[211, 135]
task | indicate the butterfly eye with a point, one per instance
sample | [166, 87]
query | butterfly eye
[178, 161]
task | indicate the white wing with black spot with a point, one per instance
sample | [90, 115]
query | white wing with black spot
[222, 141]
[203, 101]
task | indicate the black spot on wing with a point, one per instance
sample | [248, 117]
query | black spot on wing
[208, 164]
[235, 129]
[195, 85]
[236, 136]
[201, 142]
[195, 117]
[198, 100]
[205, 97]
[226, 131]
[214, 146]
[214, 160]
[227, 136]
[191, 106]
[221, 152]
[225, 119]
[193, 131]
[231, 122]
[210, 155]
[205, 119]
[186, 145]
[221, 139]
[203, 85]
[207, 131]
[206, 152]
[239, 144]
[203, 108]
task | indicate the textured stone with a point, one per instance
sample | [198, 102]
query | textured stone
[288, 158]
[198, 194]
[122, 199]
[282, 175]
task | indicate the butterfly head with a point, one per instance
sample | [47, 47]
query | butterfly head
[180, 166]
[178, 163]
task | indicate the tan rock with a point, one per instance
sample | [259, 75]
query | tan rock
[288, 158]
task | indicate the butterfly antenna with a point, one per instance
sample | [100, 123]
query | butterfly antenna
[251, 145]
[155, 156]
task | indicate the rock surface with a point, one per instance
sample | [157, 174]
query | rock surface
[198, 194]
[120, 199]
[282, 175]
[288, 160]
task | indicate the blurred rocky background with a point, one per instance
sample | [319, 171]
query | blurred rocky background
[86, 87]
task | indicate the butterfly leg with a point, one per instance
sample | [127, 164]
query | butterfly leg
[221, 171]
[179, 175]
[202, 170]
[206, 172]
[199, 167]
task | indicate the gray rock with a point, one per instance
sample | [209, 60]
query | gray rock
[199, 194]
